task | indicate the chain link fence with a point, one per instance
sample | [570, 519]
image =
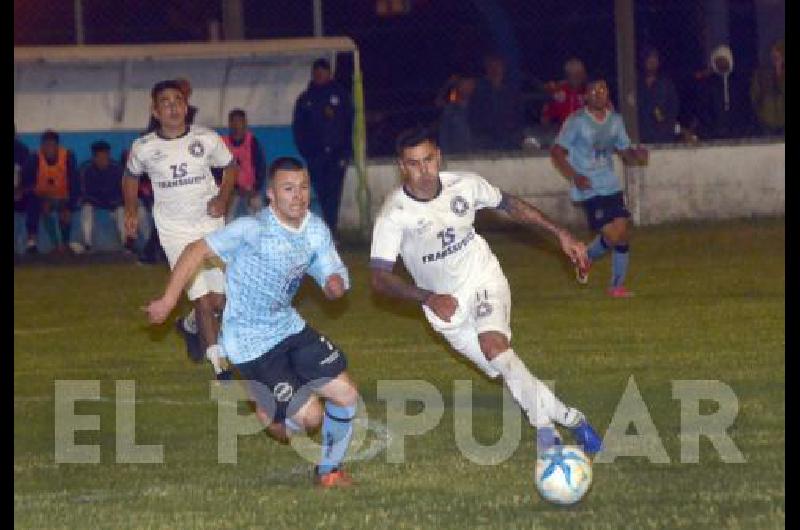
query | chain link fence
[421, 59]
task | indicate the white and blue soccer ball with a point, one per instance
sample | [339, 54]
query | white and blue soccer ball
[563, 474]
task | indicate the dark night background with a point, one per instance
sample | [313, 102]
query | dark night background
[407, 58]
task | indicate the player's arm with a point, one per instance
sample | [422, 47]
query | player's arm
[558, 155]
[384, 281]
[219, 204]
[130, 197]
[633, 156]
[188, 263]
[526, 213]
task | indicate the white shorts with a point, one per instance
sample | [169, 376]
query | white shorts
[486, 306]
[209, 279]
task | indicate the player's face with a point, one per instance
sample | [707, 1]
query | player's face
[598, 95]
[419, 166]
[170, 108]
[289, 195]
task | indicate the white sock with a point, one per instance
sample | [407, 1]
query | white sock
[190, 322]
[214, 355]
[535, 398]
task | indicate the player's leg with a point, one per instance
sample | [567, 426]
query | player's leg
[321, 365]
[491, 312]
[616, 233]
[206, 294]
[599, 246]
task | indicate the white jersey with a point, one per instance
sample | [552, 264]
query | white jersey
[180, 170]
[436, 238]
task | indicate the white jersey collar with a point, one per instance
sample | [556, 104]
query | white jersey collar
[288, 227]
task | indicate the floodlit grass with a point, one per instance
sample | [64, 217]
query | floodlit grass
[709, 305]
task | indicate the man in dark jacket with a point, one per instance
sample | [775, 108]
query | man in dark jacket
[322, 127]
[101, 188]
[725, 110]
[658, 102]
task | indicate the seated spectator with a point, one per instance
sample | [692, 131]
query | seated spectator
[724, 109]
[101, 188]
[768, 91]
[657, 102]
[495, 109]
[454, 131]
[568, 95]
[50, 185]
[245, 148]
[20, 156]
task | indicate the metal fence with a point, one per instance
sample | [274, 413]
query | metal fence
[412, 50]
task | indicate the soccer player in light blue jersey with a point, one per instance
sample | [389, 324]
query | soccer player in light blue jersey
[583, 154]
[288, 366]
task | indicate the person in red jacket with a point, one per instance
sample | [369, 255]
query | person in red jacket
[568, 95]
[247, 151]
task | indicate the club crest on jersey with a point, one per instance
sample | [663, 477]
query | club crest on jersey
[484, 309]
[283, 392]
[196, 149]
[459, 205]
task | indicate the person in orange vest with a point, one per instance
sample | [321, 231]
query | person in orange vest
[247, 152]
[50, 181]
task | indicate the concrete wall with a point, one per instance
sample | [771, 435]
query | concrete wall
[681, 183]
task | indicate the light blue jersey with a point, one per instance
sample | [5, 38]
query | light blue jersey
[265, 264]
[591, 146]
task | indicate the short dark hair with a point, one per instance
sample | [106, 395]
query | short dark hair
[49, 134]
[285, 163]
[100, 146]
[237, 112]
[321, 63]
[414, 136]
[161, 86]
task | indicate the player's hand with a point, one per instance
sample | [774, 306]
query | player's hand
[131, 225]
[443, 305]
[582, 182]
[574, 249]
[158, 310]
[334, 287]
[216, 207]
[642, 155]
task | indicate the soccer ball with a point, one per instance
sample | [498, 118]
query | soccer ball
[563, 474]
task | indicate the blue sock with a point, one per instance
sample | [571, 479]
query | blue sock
[619, 265]
[597, 248]
[337, 429]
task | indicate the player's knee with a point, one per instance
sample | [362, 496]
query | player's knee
[310, 416]
[492, 344]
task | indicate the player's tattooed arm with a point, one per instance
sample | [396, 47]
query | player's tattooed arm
[387, 283]
[526, 213]
[130, 195]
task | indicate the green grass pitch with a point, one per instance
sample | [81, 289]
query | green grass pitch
[709, 305]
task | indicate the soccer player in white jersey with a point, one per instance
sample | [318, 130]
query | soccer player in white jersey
[583, 155]
[188, 204]
[286, 363]
[464, 294]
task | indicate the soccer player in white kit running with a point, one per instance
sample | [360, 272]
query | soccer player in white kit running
[188, 204]
[464, 294]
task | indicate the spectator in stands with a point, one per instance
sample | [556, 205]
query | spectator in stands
[495, 108]
[568, 95]
[724, 109]
[101, 189]
[322, 125]
[768, 91]
[455, 135]
[246, 149]
[50, 178]
[186, 88]
[658, 102]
